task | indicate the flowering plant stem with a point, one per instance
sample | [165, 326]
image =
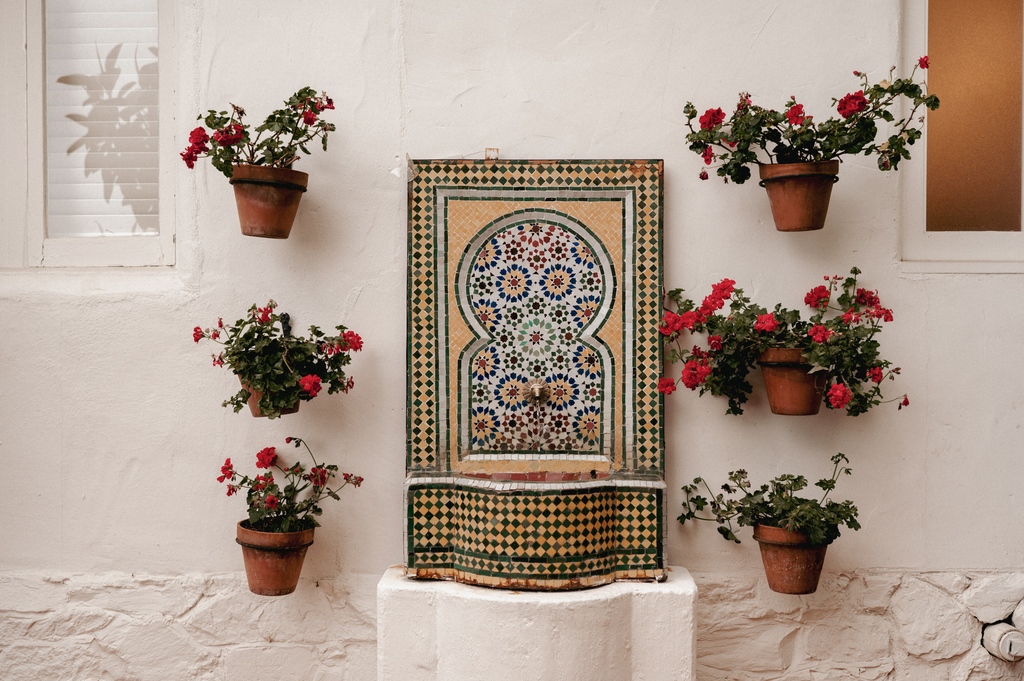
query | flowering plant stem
[262, 351]
[753, 134]
[227, 140]
[273, 508]
[774, 504]
[842, 345]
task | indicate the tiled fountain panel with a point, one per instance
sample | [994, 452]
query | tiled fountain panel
[534, 279]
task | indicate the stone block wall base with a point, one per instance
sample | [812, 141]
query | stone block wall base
[444, 631]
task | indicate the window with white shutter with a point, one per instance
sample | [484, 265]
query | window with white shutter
[102, 118]
[97, 179]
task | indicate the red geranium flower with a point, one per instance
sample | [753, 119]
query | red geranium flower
[270, 502]
[703, 175]
[352, 339]
[766, 323]
[230, 135]
[311, 384]
[852, 103]
[309, 117]
[711, 118]
[695, 373]
[923, 62]
[715, 342]
[867, 298]
[839, 395]
[875, 374]
[667, 385]
[227, 471]
[197, 334]
[795, 114]
[198, 137]
[317, 476]
[266, 457]
[819, 333]
[708, 154]
[817, 297]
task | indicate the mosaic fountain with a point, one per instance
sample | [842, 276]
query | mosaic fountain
[535, 449]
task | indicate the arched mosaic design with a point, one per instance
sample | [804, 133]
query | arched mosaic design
[526, 271]
[534, 288]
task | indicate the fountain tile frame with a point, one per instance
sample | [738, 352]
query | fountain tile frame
[556, 535]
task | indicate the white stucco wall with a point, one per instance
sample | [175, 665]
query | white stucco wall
[111, 433]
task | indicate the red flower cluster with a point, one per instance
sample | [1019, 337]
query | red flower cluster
[673, 323]
[851, 104]
[230, 135]
[875, 374]
[667, 385]
[309, 117]
[227, 471]
[218, 360]
[262, 481]
[703, 175]
[270, 502]
[795, 114]
[883, 313]
[715, 342]
[353, 341]
[851, 317]
[766, 323]
[311, 384]
[266, 457]
[819, 333]
[197, 140]
[839, 395]
[867, 298]
[695, 372]
[349, 385]
[903, 403]
[317, 476]
[709, 155]
[715, 300]
[197, 334]
[711, 118]
[354, 480]
[818, 297]
[923, 62]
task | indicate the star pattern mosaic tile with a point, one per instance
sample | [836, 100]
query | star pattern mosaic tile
[526, 274]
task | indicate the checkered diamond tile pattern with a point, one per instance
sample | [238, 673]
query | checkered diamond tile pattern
[505, 538]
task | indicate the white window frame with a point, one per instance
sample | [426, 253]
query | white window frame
[23, 239]
[923, 251]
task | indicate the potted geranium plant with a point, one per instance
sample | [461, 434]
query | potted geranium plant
[282, 515]
[277, 370]
[833, 353]
[797, 156]
[793, 532]
[259, 161]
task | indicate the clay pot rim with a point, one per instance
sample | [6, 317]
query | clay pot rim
[780, 536]
[778, 171]
[246, 536]
[286, 177]
[791, 356]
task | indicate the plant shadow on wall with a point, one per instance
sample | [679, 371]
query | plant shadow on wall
[120, 139]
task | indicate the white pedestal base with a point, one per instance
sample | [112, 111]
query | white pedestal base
[625, 631]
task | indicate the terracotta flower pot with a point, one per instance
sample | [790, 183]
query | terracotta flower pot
[273, 560]
[254, 401]
[792, 391]
[791, 565]
[799, 193]
[267, 199]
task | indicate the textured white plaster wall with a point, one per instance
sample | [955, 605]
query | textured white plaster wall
[111, 433]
